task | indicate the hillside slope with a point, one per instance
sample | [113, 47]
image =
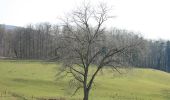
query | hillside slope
[24, 79]
[8, 27]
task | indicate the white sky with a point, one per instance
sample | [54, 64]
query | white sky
[150, 17]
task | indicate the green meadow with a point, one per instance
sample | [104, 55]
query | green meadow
[30, 80]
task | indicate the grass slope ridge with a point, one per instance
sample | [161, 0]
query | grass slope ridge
[35, 79]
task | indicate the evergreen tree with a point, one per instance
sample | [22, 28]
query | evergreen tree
[168, 56]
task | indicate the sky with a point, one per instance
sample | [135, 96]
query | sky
[151, 18]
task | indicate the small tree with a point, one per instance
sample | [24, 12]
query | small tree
[84, 42]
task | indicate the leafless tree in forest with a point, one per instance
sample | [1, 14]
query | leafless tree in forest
[84, 42]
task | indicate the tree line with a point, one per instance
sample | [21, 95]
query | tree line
[41, 41]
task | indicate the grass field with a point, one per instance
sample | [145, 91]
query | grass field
[32, 79]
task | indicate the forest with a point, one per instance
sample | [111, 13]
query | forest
[40, 42]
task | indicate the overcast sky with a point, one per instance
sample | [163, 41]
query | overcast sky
[149, 17]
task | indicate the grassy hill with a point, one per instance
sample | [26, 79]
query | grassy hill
[32, 79]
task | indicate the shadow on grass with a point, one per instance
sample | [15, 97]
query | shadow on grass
[166, 94]
[33, 81]
[38, 85]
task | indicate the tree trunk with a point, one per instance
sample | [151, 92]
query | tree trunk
[86, 94]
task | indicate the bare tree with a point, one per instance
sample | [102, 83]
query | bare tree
[84, 42]
[2, 32]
